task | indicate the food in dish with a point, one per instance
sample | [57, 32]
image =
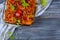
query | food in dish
[19, 11]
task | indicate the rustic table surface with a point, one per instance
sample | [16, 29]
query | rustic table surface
[45, 27]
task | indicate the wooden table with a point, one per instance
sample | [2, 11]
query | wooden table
[45, 27]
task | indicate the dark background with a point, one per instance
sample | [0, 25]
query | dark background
[45, 27]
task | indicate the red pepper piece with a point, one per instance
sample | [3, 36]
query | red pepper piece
[18, 13]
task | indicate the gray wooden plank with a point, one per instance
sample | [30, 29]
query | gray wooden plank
[45, 29]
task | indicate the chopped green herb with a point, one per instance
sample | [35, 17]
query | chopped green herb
[18, 22]
[9, 33]
[43, 2]
[11, 38]
[12, 7]
[15, 19]
[24, 3]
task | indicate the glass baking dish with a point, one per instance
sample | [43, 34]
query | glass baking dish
[15, 15]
